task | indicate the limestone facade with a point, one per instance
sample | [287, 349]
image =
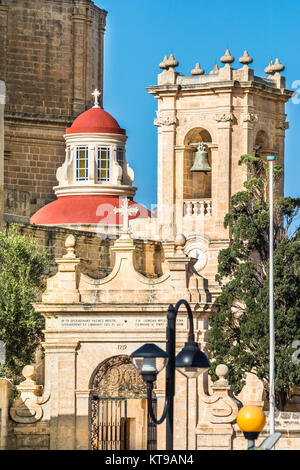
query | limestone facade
[233, 112]
[92, 327]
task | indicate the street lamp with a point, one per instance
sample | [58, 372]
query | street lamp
[149, 360]
[251, 420]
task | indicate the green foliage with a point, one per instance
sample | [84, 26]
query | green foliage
[240, 326]
[22, 265]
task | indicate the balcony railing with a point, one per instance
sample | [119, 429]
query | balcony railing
[197, 207]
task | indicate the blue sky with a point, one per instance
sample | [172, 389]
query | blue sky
[140, 33]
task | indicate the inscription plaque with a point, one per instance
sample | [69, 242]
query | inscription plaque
[117, 323]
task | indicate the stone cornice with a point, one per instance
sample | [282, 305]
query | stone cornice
[44, 118]
[220, 86]
[54, 310]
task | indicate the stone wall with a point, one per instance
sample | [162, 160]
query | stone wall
[52, 60]
[2, 103]
[96, 255]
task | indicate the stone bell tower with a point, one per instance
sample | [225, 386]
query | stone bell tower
[230, 112]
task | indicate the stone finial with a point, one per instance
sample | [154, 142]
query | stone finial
[29, 373]
[269, 69]
[163, 64]
[215, 70]
[227, 58]
[246, 59]
[70, 244]
[197, 70]
[222, 372]
[180, 242]
[172, 63]
[278, 67]
[222, 406]
[169, 63]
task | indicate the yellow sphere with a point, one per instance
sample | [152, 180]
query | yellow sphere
[251, 419]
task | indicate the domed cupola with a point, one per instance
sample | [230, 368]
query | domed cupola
[95, 172]
[95, 157]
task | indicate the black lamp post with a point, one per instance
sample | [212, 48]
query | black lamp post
[149, 360]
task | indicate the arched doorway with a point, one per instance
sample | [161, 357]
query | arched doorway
[118, 408]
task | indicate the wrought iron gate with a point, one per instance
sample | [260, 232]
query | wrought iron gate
[111, 423]
[114, 383]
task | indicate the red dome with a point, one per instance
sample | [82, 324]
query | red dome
[95, 121]
[84, 210]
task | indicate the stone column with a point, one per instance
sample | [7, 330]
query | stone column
[63, 385]
[82, 419]
[166, 123]
[192, 406]
[179, 190]
[281, 127]
[222, 201]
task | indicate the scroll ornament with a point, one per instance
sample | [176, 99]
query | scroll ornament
[27, 409]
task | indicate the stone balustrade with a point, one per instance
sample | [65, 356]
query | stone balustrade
[197, 207]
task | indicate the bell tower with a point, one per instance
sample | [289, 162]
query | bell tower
[205, 122]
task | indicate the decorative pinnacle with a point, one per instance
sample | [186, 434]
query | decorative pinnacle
[278, 67]
[222, 371]
[169, 63]
[246, 59]
[70, 244]
[28, 372]
[96, 93]
[197, 70]
[269, 69]
[180, 242]
[215, 70]
[163, 64]
[227, 58]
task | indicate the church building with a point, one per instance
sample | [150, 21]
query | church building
[91, 396]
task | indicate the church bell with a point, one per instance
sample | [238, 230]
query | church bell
[201, 161]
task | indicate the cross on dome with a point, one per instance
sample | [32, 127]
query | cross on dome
[96, 93]
[126, 211]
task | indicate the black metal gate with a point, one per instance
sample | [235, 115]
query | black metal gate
[111, 425]
[114, 383]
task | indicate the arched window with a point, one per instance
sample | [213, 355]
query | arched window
[103, 173]
[82, 167]
[196, 185]
[262, 144]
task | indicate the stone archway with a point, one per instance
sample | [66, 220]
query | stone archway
[118, 408]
